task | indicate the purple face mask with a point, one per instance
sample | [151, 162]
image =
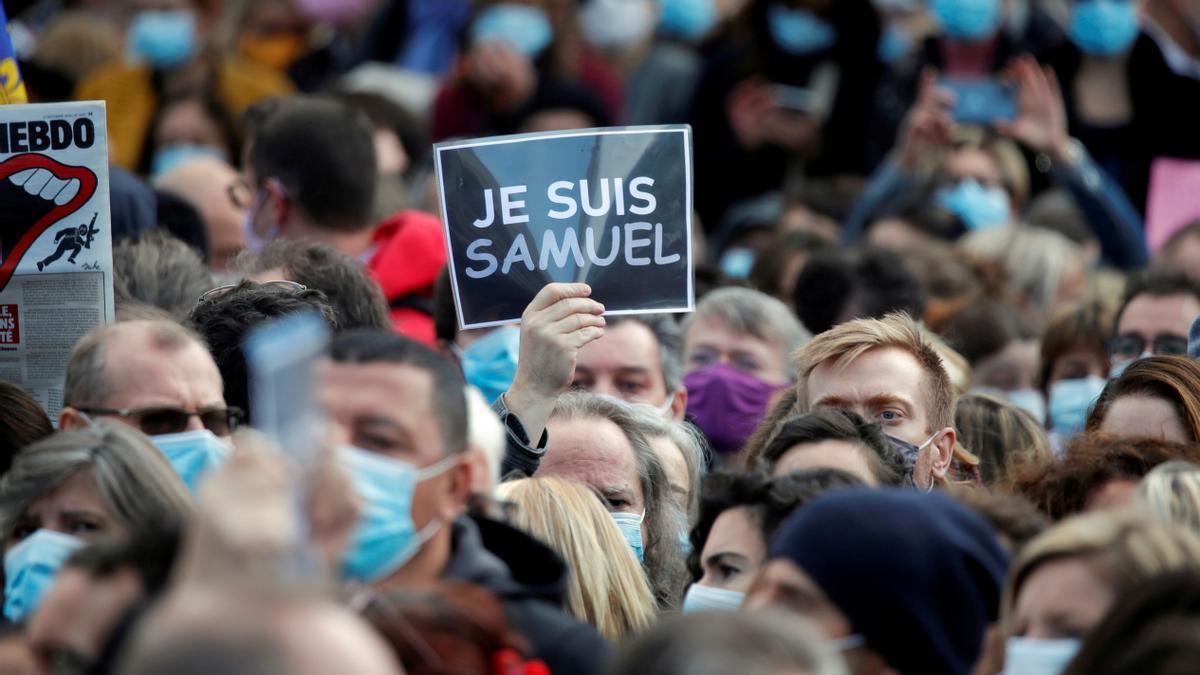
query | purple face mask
[727, 404]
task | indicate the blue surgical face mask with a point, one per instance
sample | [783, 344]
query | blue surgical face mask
[737, 262]
[523, 27]
[977, 206]
[163, 39]
[707, 599]
[1104, 27]
[967, 20]
[193, 454]
[1118, 367]
[894, 44]
[617, 24]
[630, 525]
[30, 568]
[386, 537]
[687, 19]
[1023, 656]
[1029, 400]
[490, 363]
[171, 156]
[799, 31]
[1070, 401]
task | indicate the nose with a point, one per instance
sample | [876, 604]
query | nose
[194, 423]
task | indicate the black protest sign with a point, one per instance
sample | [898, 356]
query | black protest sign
[608, 207]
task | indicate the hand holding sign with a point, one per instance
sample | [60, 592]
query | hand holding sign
[556, 325]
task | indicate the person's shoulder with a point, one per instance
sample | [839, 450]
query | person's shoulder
[113, 81]
[563, 642]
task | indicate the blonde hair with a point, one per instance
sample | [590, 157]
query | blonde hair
[1171, 493]
[845, 343]
[1002, 435]
[607, 588]
[1126, 547]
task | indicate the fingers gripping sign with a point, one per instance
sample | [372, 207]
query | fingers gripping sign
[560, 320]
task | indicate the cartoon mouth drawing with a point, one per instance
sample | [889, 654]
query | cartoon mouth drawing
[37, 192]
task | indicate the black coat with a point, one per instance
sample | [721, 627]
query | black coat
[530, 581]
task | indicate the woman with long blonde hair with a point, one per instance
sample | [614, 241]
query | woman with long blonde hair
[607, 587]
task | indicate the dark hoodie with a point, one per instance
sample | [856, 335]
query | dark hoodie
[530, 581]
[409, 254]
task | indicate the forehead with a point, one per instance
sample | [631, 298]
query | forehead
[394, 391]
[714, 333]
[884, 371]
[971, 162]
[1151, 315]
[736, 530]
[179, 375]
[592, 451]
[631, 344]
[79, 492]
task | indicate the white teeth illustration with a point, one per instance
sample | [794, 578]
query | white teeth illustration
[44, 184]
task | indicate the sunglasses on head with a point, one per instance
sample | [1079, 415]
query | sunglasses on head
[280, 284]
[158, 420]
[1132, 345]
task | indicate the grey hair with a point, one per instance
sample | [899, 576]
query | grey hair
[663, 554]
[684, 436]
[87, 382]
[670, 344]
[750, 643]
[161, 271]
[754, 313]
[134, 479]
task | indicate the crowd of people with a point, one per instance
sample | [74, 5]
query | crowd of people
[937, 409]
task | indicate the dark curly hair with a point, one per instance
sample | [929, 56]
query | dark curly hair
[226, 319]
[1066, 486]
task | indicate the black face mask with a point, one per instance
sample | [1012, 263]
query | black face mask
[909, 452]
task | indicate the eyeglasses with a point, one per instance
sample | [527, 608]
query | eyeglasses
[157, 420]
[221, 291]
[1131, 345]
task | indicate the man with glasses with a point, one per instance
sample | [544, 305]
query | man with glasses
[1155, 317]
[155, 376]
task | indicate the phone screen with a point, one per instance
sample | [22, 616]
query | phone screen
[981, 100]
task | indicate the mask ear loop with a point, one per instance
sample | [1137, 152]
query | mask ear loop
[934, 456]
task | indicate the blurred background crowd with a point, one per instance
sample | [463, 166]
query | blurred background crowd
[937, 410]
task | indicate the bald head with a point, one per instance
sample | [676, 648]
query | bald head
[204, 183]
[140, 364]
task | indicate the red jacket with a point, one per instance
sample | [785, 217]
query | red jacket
[409, 254]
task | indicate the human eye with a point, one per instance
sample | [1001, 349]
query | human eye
[728, 572]
[746, 363]
[631, 386]
[617, 503]
[23, 530]
[889, 415]
[81, 526]
[702, 357]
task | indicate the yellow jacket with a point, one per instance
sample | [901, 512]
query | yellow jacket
[132, 103]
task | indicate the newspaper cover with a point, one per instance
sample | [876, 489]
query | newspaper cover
[55, 240]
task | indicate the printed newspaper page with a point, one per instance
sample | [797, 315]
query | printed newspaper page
[55, 240]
